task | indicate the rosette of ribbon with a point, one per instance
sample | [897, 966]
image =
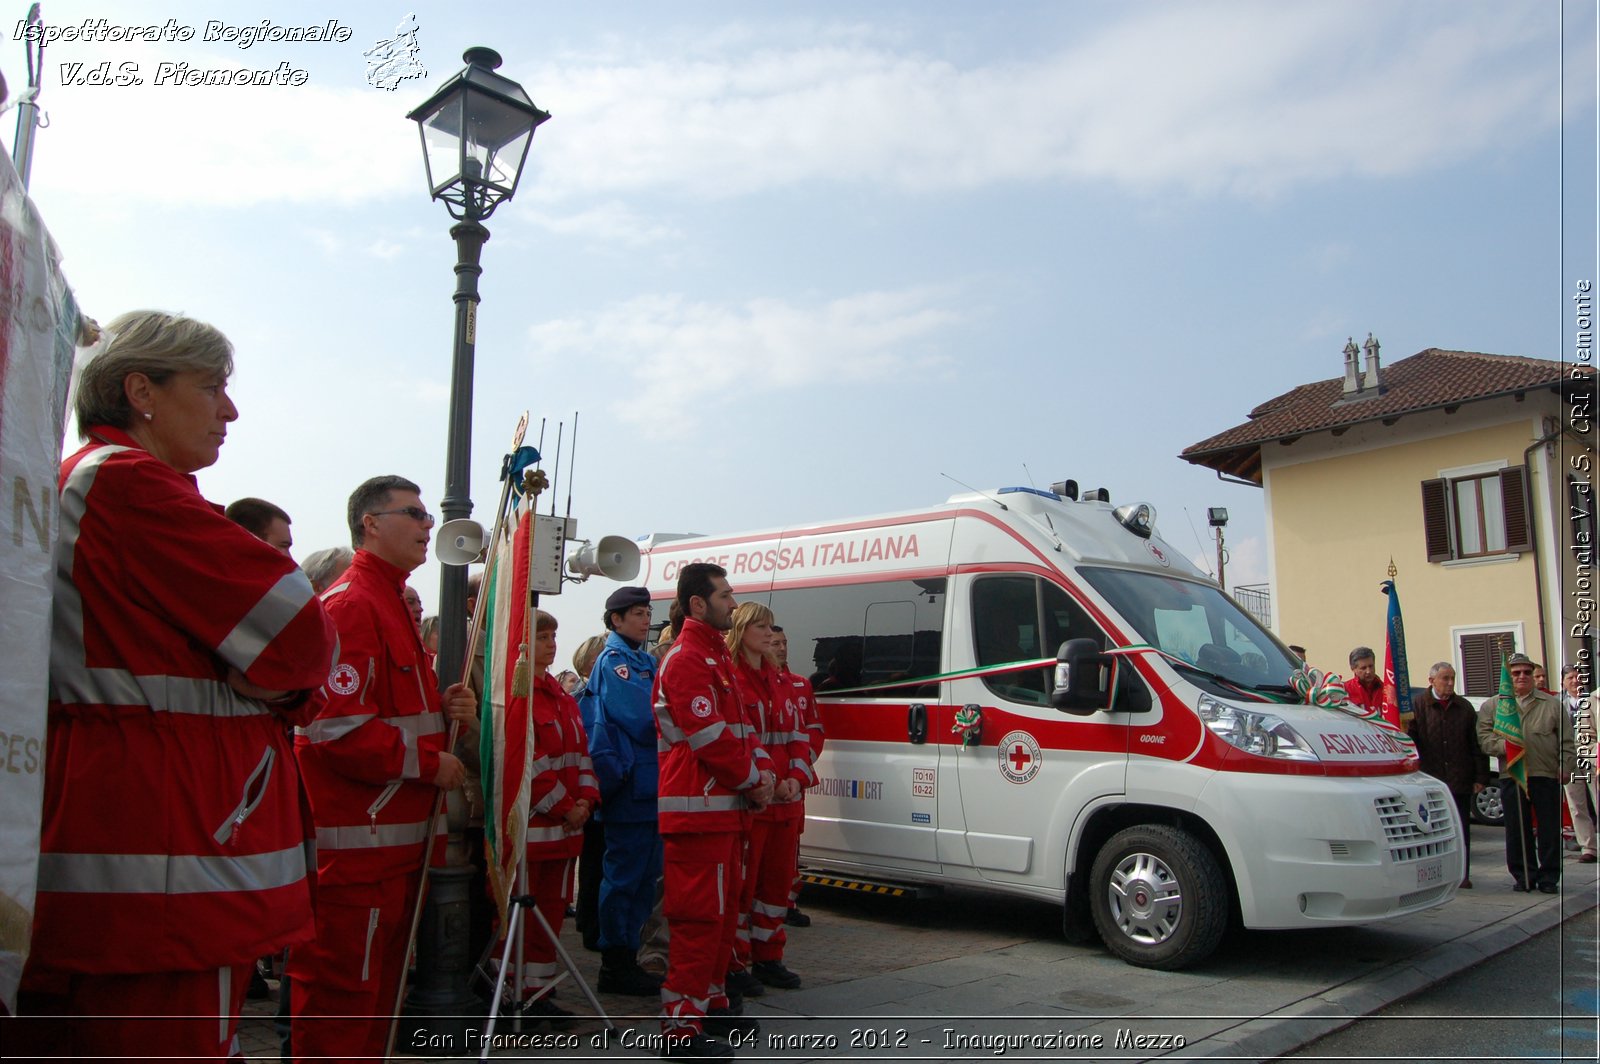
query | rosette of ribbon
[968, 725]
[1317, 688]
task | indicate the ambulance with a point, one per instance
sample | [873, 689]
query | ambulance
[1031, 692]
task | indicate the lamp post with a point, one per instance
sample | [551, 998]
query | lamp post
[1218, 517]
[475, 131]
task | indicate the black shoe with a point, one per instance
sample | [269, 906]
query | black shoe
[694, 1047]
[796, 918]
[773, 973]
[1549, 888]
[547, 1010]
[740, 981]
[722, 1022]
[620, 974]
[1519, 887]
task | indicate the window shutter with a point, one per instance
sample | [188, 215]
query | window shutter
[1518, 508]
[1481, 655]
[1474, 662]
[1436, 519]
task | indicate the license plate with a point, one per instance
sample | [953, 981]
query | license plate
[1430, 872]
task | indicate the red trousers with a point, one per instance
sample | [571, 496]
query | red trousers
[701, 877]
[774, 854]
[148, 1016]
[345, 980]
[550, 883]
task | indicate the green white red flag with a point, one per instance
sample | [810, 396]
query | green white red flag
[1508, 725]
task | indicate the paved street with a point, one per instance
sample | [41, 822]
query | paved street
[1536, 1002]
[971, 975]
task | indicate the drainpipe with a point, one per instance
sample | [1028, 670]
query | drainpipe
[1533, 534]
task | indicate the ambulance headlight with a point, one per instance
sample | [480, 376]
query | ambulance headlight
[1262, 734]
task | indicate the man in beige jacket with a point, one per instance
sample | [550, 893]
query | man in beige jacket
[1533, 856]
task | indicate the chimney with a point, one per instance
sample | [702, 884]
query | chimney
[1351, 366]
[1372, 381]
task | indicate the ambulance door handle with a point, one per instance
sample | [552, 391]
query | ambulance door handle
[917, 723]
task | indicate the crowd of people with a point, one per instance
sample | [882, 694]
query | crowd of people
[283, 734]
[1455, 741]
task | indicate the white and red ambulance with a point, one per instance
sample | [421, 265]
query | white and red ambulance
[1029, 691]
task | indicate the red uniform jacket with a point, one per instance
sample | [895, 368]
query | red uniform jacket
[709, 753]
[1370, 699]
[172, 837]
[370, 756]
[562, 772]
[775, 714]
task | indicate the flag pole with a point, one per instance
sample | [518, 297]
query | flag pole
[473, 638]
[27, 105]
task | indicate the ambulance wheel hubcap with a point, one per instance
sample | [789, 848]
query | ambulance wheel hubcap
[1146, 898]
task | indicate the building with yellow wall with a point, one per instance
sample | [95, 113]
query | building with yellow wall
[1471, 472]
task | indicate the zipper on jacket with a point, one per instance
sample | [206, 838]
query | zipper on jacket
[255, 789]
[377, 807]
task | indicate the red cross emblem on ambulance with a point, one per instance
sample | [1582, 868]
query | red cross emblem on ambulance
[1020, 756]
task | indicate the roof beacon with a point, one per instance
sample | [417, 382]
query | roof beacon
[1138, 518]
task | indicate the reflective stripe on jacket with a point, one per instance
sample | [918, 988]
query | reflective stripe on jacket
[370, 755]
[172, 836]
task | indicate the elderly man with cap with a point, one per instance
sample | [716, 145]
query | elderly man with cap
[1533, 853]
[622, 745]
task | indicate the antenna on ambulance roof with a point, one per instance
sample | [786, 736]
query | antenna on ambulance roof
[1029, 475]
[975, 491]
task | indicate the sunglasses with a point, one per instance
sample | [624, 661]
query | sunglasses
[416, 513]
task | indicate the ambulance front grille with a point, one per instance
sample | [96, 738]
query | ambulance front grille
[1407, 839]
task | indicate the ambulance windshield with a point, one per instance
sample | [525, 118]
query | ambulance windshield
[1198, 625]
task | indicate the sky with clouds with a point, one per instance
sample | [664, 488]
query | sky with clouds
[797, 261]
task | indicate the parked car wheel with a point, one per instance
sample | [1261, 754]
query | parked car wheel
[1158, 897]
[1486, 806]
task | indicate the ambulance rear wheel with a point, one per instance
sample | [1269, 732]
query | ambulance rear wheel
[1158, 897]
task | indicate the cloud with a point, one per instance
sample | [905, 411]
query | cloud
[611, 223]
[1240, 99]
[676, 352]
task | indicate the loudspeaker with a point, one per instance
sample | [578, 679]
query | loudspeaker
[616, 558]
[460, 542]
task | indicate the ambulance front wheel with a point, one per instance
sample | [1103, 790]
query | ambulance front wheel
[1158, 896]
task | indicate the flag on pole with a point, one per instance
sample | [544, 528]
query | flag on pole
[1396, 677]
[1508, 725]
[505, 735]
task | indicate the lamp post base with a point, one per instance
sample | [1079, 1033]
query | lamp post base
[441, 1006]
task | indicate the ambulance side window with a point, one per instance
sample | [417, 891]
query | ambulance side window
[853, 635]
[1023, 618]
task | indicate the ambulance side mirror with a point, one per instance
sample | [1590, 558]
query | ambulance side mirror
[1083, 678]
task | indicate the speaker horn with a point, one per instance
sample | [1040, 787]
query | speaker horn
[616, 558]
[460, 542]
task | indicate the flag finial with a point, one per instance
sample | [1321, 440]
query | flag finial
[1392, 569]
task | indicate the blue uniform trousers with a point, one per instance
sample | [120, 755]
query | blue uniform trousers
[628, 884]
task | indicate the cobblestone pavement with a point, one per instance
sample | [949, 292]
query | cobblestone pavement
[967, 975]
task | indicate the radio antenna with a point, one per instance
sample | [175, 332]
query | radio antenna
[572, 461]
[556, 485]
[975, 491]
[1029, 475]
[1203, 551]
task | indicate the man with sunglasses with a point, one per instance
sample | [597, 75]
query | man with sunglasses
[373, 760]
[1533, 819]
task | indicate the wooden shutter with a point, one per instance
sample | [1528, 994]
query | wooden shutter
[1436, 519]
[1518, 508]
[1481, 655]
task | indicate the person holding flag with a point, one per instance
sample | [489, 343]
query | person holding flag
[1532, 736]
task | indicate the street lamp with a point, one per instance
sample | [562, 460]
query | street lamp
[475, 135]
[475, 131]
[1218, 518]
